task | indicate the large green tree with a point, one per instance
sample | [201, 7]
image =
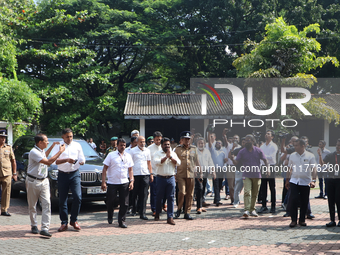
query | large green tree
[290, 56]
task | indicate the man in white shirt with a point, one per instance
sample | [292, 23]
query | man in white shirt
[142, 172]
[118, 168]
[206, 162]
[156, 146]
[166, 161]
[269, 149]
[38, 185]
[230, 180]
[321, 175]
[301, 166]
[69, 178]
[92, 144]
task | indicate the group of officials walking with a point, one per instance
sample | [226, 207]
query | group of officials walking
[129, 170]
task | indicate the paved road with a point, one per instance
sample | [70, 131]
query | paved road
[219, 231]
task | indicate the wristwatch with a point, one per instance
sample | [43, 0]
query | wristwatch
[313, 180]
[15, 174]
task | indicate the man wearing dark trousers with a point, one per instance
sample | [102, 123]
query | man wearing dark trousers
[321, 176]
[166, 161]
[269, 149]
[301, 167]
[69, 178]
[333, 182]
[118, 168]
[142, 172]
[156, 146]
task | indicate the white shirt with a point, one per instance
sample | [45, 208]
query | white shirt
[73, 151]
[93, 145]
[204, 157]
[301, 167]
[140, 160]
[167, 167]
[153, 149]
[128, 149]
[270, 152]
[118, 167]
[35, 168]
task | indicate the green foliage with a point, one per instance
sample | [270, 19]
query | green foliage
[287, 54]
[17, 101]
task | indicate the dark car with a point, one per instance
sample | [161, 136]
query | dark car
[90, 172]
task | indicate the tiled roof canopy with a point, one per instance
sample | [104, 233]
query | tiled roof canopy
[184, 106]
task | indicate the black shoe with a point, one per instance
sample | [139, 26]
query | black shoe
[133, 213]
[319, 196]
[177, 214]
[218, 204]
[310, 216]
[263, 209]
[45, 233]
[143, 217]
[272, 210]
[286, 215]
[331, 224]
[302, 224]
[34, 230]
[129, 211]
[110, 221]
[188, 217]
[122, 225]
[259, 202]
[5, 214]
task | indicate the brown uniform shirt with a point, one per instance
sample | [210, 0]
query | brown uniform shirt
[188, 157]
[6, 155]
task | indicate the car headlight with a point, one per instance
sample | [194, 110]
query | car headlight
[53, 174]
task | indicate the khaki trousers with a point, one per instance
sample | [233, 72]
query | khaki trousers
[251, 190]
[6, 182]
[39, 189]
[186, 188]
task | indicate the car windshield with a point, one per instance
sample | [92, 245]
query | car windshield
[87, 149]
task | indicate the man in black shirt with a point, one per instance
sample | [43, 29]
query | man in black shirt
[333, 182]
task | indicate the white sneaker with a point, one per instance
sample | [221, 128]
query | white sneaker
[236, 205]
[246, 214]
[253, 213]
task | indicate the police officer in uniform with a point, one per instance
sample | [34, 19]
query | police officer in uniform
[113, 145]
[188, 155]
[8, 170]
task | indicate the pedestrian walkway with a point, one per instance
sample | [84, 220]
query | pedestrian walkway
[221, 230]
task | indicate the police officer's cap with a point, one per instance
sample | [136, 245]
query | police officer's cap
[114, 138]
[185, 134]
[3, 132]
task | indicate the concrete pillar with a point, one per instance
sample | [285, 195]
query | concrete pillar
[326, 132]
[142, 127]
[205, 125]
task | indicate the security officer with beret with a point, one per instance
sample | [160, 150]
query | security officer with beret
[188, 155]
[8, 170]
[113, 146]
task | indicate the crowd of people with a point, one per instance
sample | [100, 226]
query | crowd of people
[179, 174]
